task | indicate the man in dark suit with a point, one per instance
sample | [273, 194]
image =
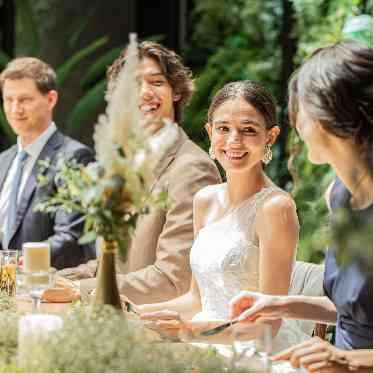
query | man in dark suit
[29, 94]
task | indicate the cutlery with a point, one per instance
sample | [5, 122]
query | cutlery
[218, 329]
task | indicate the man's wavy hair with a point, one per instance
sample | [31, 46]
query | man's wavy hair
[171, 64]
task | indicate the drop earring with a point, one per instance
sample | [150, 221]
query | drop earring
[267, 154]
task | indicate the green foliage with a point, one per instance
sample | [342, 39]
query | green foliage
[8, 325]
[107, 202]
[95, 71]
[64, 71]
[4, 59]
[93, 83]
[102, 340]
[85, 107]
[27, 26]
[319, 23]
[100, 200]
[309, 186]
[242, 37]
[5, 128]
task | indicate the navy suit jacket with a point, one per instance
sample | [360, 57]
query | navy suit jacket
[62, 230]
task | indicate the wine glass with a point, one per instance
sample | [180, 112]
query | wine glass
[37, 282]
[253, 345]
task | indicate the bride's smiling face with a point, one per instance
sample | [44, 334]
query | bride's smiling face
[238, 135]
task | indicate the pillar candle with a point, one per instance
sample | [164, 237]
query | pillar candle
[31, 330]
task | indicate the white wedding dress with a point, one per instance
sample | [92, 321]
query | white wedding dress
[225, 260]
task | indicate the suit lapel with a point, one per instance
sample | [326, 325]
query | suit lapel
[168, 158]
[49, 151]
[6, 162]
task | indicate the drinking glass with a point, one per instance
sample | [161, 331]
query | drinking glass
[36, 256]
[252, 345]
[8, 264]
[37, 282]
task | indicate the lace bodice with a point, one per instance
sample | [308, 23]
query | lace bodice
[225, 257]
[225, 260]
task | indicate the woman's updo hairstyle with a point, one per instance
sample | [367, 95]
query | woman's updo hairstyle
[253, 93]
[335, 87]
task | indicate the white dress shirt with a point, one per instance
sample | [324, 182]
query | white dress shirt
[33, 150]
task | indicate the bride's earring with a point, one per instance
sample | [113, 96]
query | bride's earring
[212, 152]
[267, 154]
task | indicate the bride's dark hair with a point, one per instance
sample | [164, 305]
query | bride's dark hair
[253, 93]
[335, 87]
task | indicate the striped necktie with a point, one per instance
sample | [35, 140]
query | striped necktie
[13, 198]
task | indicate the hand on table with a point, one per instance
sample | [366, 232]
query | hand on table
[168, 324]
[314, 355]
[250, 306]
[63, 291]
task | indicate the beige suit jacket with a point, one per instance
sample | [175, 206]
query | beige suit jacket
[157, 266]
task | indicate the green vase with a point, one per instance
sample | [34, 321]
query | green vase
[107, 288]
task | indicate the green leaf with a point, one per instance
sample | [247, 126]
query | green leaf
[98, 69]
[158, 38]
[86, 107]
[87, 238]
[29, 27]
[4, 59]
[9, 134]
[69, 66]
[82, 24]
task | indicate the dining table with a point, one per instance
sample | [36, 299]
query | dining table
[24, 305]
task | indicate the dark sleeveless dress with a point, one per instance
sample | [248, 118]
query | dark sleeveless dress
[348, 287]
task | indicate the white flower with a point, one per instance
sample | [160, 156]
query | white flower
[120, 125]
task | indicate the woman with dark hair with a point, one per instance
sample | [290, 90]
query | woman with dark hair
[240, 225]
[331, 106]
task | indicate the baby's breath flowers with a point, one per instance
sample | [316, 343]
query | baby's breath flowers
[100, 340]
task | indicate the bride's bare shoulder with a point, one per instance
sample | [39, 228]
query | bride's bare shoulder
[209, 195]
[278, 205]
[207, 202]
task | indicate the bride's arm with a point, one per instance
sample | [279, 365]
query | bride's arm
[250, 306]
[277, 228]
[190, 303]
[186, 305]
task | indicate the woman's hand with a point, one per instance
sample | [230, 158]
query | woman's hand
[168, 324]
[249, 306]
[314, 355]
[63, 291]
[359, 360]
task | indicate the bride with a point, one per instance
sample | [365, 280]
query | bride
[246, 230]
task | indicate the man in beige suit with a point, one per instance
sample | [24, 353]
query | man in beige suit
[157, 267]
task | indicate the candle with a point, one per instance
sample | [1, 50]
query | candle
[36, 256]
[31, 330]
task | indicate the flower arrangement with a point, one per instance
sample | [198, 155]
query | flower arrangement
[111, 193]
[79, 347]
[114, 191]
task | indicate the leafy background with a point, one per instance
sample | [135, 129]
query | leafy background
[263, 40]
